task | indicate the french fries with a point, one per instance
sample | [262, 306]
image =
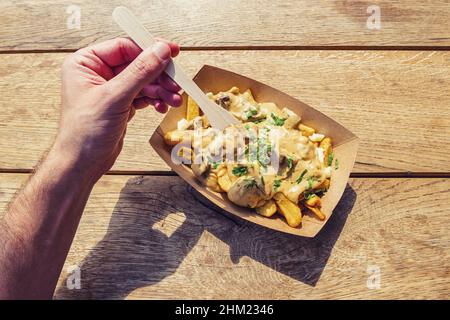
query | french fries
[185, 154]
[317, 212]
[314, 204]
[205, 122]
[325, 144]
[268, 209]
[290, 210]
[224, 182]
[211, 182]
[192, 109]
[326, 184]
[305, 130]
[234, 90]
[249, 96]
[313, 201]
[174, 137]
[304, 175]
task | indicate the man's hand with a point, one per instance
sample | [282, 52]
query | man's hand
[102, 86]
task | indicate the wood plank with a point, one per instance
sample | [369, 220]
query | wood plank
[135, 241]
[396, 102]
[42, 24]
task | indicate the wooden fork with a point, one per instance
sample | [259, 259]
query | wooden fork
[217, 116]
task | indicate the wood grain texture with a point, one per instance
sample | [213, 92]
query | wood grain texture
[42, 24]
[134, 241]
[396, 102]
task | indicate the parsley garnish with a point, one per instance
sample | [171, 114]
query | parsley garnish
[336, 164]
[310, 183]
[239, 171]
[213, 164]
[318, 192]
[301, 176]
[310, 195]
[250, 113]
[330, 158]
[258, 120]
[277, 120]
[289, 162]
[276, 184]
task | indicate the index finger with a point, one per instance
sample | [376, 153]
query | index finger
[118, 51]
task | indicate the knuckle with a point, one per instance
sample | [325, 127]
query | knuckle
[143, 67]
[78, 57]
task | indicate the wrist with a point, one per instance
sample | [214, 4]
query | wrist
[66, 163]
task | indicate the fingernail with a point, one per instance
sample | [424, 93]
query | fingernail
[161, 50]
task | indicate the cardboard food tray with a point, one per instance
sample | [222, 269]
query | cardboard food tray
[345, 144]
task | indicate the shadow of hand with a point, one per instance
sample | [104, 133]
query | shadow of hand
[134, 253]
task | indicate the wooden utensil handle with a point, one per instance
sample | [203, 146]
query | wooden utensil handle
[131, 25]
[128, 22]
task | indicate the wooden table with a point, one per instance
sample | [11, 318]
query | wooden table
[146, 234]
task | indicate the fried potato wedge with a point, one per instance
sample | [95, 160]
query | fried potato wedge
[234, 90]
[313, 201]
[290, 210]
[173, 138]
[325, 144]
[248, 94]
[224, 182]
[185, 154]
[305, 130]
[268, 209]
[205, 122]
[192, 109]
[325, 184]
[211, 181]
[319, 214]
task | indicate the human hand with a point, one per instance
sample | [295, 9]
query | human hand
[102, 87]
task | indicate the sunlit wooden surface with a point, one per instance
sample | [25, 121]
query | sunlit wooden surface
[146, 235]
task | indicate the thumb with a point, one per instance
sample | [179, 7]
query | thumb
[144, 69]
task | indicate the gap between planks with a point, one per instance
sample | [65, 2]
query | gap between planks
[407, 175]
[262, 48]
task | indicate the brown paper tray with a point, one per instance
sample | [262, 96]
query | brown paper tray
[345, 144]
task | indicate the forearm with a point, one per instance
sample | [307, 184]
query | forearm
[39, 226]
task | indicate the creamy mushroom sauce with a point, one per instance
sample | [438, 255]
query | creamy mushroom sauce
[302, 165]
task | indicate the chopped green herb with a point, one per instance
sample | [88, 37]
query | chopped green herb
[239, 171]
[258, 120]
[277, 120]
[262, 180]
[301, 176]
[310, 183]
[330, 158]
[276, 184]
[336, 164]
[289, 162]
[317, 192]
[247, 127]
[250, 113]
[309, 195]
[213, 164]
